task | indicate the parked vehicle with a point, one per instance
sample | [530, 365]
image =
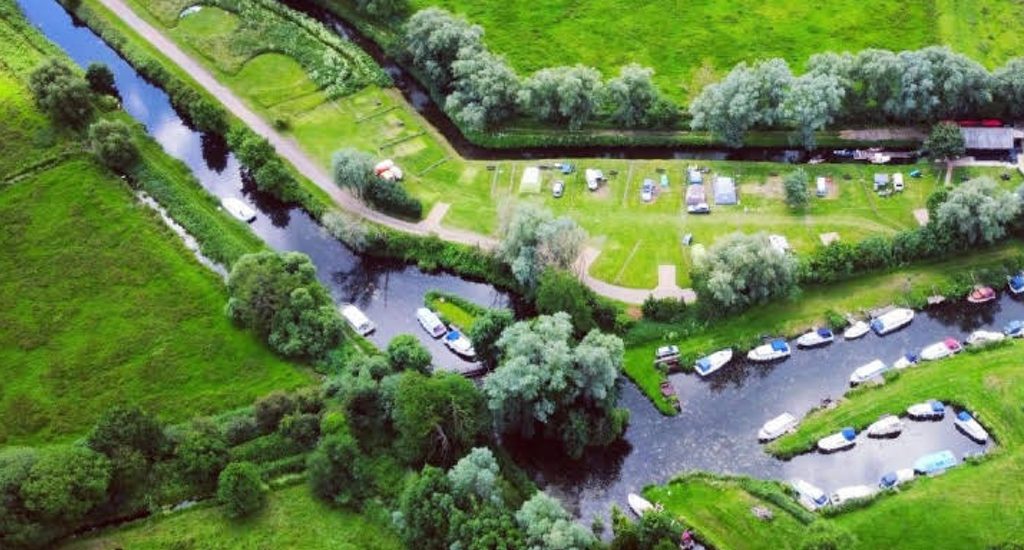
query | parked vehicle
[594, 178]
[815, 338]
[701, 208]
[647, 191]
[808, 495]
[772, 351]
[888, 425]
[935, 463]
[892, 480]
[892, 321]
[867, 372]
[853, 492]
[558, 189]
[238, 209]
[431, 322]
[459, 344]
[357, 320]
[982, 337]
[844, 439]
[856, 330]
[908, 360]
[1014, 329]
[638, 504]
[929, 410]
[981, 295]
[667, 354]
[707, 365]
[1016, 283]
[776, 427]
[970, 427]
[941, 350]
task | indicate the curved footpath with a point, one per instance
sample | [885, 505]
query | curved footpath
[293, 153]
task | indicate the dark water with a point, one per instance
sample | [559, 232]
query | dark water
[721, 414]
[389, 292]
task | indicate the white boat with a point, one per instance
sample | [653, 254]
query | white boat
[844, 439]
[776, 427]
[1014, 329]
[809, 495]
[817, 337]
[460, 344]
[431, 322]
[667, 354]
[856, 330]
[970, 427]
[707, 365]
[638, 504]
[941, 350]
[908, 360]
[238, 209]
[892, 480]
[929, 410]
[846, 494]
[867, 372]
[888, 425]
[982, 337]
[772, 351]
[892, 320]
[357, 320]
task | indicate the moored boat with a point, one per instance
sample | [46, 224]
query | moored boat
[981, 295]
[908, 360]
[772, 351]
[970, 427]
[1016, 283]
[707, 365]
[982, 337]
[357, 320]
[941, 350]
[891, 321]
[935, 462]
[929, 410]
[459, 344]
[638, 504]
[667, 355]
[844, 439]
[808, 495]
[856, 330]
[817, 337]
[892, 480]
[431, 322]
[1014, 329]
[853, 492]
[776, 427]
[238, 209]
[867, 372]
[888, 425]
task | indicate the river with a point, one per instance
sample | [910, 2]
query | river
[721, 414]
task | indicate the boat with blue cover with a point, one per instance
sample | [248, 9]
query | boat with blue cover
[817, 337]
[908, 360]
[838, 441]
[1016, 283]
[935, 462]
[459, 344]
[892, 480]
[929, 410]
[772, 351]
[707, 365]
[892, 321]
[970, 427]
[1014, 329]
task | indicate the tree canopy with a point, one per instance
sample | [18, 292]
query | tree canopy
[634, 101]
[437, 418]
[111, 142]
[567, 95]
[434, 38]
[795, 184]
[945, 142]
[353, 170]
[61, 92]
[978, 211]
[742, 270]
[240, 490]
[65, 482]
[484, 92]
[534, 240]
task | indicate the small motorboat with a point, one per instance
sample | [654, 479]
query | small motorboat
[817, 337]
[935, 462]
[238, 209]
[1014, 329]
[970, 427]
[868, 371]
[908, 360]
[778, 426]
[929, 410]
[856, 330]
[431, 322]
[772, 351]
[891, 321]
[666, 355]
[981, 295]
[941, 350]
[892, 480]
[838, 441]
[888, 425]
[638, 504]
[853, 492]
[982, 337]
[809, 495]
[1016, 283]
[707, 365]
[459, 344]
[357, 320]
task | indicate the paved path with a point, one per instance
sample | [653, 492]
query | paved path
[667, 287]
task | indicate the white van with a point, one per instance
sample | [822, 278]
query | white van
[357, 320]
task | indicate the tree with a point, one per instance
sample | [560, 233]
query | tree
[475, 479]
[747, 98]
[18, 527]
[426, 507]
[484, 90]
[654, 530]
[111, 142]
[61, 92]
[353, 170]
[302, 428]
[271, 408]
[795, 183]
[811, 104]
[634, 101]
[438, 418]
[1008, 84]
[534, 240]
[279, 297]
[240, 429]
[202, 453]
[383, 9]
[978, 211]
[240, 490]
[333, 471]
[65, 482]
[742, 270]
[823, 535]
[275, 179]
[561, 291]
[434, 39]
[405, 352]
[101, 79]
[128, 427]
[485, 333]
[486, 527]
[945, 142]
[566, 95]
[547, 525]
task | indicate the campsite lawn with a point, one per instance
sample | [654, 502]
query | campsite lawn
[292, 519]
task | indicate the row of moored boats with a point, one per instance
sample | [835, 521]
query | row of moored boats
[453, 338]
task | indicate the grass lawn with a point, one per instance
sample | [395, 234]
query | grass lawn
[292, 519]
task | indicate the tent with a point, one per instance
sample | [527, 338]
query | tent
[725, 190]
[530, 183]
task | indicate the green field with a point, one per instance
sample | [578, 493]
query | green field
[689, 44]
[292, 519]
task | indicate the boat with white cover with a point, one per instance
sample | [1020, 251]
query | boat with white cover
[929, 410]
[460, 344]
[776, 427]
[817, 337]
[808, 495]
[707, 365]
[941, 350]
[867, 372]
[908, 360]
[431, 322]
[970, 427]
[891, 321]
[638, 504]
[982, 337]
[844, 439]
[853, 492]
[892, 480]
[856, 330]
[357, 320]
[888, 425]
[772, 351]
[238, 209]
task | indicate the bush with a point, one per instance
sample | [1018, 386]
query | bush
[202, 454]
[101, 79]
[303, 429]
[405, 352]
[111, 142]
[392, 198]
[266, 449]
[240, 429]
[240, 490]
[271, 408]
[62, 93]
[663, 310]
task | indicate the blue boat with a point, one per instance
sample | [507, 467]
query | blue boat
[935, 462]
[1016, 283]
[1015, 329]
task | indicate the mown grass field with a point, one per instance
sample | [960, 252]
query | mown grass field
[690, 43]
[292, 519]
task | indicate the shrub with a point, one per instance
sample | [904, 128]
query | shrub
[795, 184]
[101, 79]
[405, 352]
[240, 490]
[271, 408]
[392, 198]
[266, 449]
[302, 428]
[61, 92]
[111, 142]
[240, 429]
[664, 310]
[202, 454]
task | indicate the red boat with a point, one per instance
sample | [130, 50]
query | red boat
[981, 294]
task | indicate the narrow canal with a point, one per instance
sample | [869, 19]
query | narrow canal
[721, 414]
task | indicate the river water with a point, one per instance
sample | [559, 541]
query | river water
[721, 414]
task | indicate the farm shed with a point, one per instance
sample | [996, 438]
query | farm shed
[725, 190]
[988, 139]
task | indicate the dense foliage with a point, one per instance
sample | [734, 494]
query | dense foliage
[740, 270]
[533, 240]
[405, 352]
[438, 418]
[945, 142]
[795, 185]
[354, 170]
[240, 490]
[485, 333]
[978, 211]
[111, 141]
[263, 165]
[62, 93]
[101, 79]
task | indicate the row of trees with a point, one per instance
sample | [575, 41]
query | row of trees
[483, 91]
[872, 86]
